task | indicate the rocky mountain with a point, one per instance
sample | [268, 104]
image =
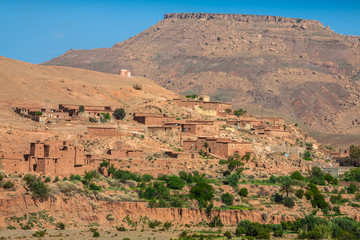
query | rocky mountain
[295, 67]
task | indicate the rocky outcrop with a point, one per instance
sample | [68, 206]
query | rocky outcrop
[238, 17]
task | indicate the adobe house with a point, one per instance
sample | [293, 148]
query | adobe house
[102, 131]
[151, 118]
[89, 111]
[156, 130]
[56, 157]
[182, 155]
[125, 153]
[13, 163]
[276, 131]
[195, 127]
[125, 73]
[217, 146]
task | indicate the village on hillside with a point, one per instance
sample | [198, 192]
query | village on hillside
[169, 163]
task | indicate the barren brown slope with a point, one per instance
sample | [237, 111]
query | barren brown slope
[29, 84]
[295, 66]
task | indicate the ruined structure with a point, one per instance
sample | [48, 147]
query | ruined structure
[205, 106]
[217, 146]
[151, 118]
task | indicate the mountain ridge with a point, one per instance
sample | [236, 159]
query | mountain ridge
[295, 66]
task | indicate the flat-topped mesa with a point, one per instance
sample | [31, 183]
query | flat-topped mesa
[238, 17]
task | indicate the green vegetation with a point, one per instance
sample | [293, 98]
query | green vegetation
[227, 198]
[243, 192]
[194, 96]
[240, 112]
[203, 193]
[38, 188]
[119, 113]
[81, 108]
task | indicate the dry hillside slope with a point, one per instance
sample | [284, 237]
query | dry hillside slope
[25, 84]
[293, 66]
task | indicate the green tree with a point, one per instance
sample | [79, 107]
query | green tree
[203, 193]
[174, 182]
[81, 108]
[119, 114]
[352, 188]
[355, 152]
[227, 198]
[243, 192]
[239, 112]
[287, 186]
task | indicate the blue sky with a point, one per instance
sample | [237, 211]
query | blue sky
[37, 31]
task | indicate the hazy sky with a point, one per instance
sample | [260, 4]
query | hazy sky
[37, 31]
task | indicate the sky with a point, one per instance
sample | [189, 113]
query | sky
[36, 31]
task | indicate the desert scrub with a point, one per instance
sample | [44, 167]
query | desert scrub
[67, 188]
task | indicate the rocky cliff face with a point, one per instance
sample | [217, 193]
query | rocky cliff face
[294, 67]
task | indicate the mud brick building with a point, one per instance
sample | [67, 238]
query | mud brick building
[218, 108]
[13, 163]
[195, 127]
[125, 153]
[89, 111]
[217, 146]
[125, 73]
[56, 157]
[152, 119]
[102, 131]
[182, 155]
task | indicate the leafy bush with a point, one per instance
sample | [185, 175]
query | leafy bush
[256, 230]
[194, 96]
[154, 224]
[216, 222]
[8, 185]
[60, 225]
[121, 228]
[278, 198]
[75, 177]
[336, 210]
[299, 193]
[232, 179]
[39, 233]
[297, 176]
[174, 182]
[38, 188]
[119, 113]
[94, 187]
[243, 192]
[352, 189]
[289, 202]
[194, 177]
[239, 112]
[353, 175]
[272, 179]
[1, 177]
[167, 225]
[227, 234]
[95, 232]
[337, 199]
[227, 198]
